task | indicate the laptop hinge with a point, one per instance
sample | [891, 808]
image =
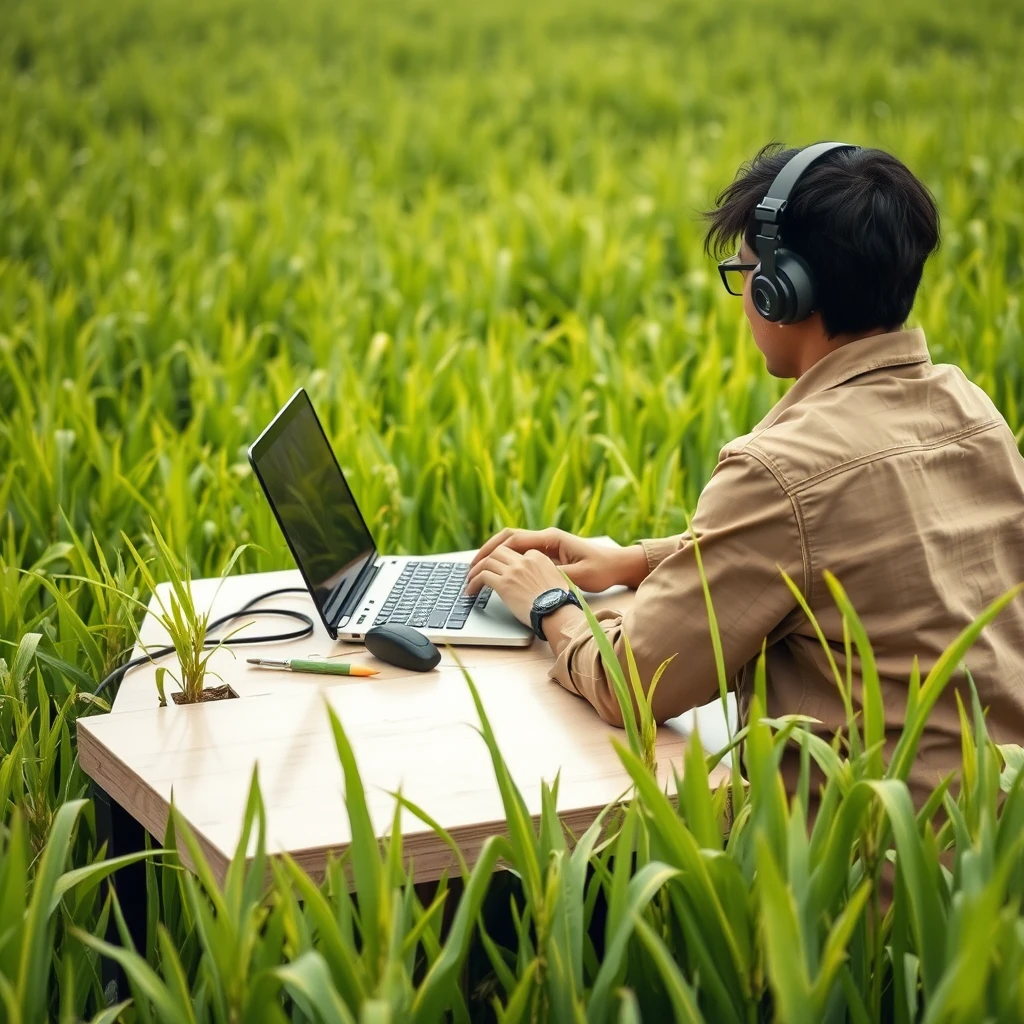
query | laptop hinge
[357, 593]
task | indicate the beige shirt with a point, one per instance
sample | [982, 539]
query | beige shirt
[901, 478]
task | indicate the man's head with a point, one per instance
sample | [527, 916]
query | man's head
[863, 224]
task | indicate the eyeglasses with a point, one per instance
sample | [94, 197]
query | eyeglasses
[734, 274]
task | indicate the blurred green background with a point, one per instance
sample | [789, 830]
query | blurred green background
[471, 230]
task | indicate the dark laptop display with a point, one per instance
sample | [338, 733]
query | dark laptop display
[313, 505]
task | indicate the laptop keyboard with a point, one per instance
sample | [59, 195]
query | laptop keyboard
[428, 595]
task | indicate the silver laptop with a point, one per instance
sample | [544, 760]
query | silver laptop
[352, 585]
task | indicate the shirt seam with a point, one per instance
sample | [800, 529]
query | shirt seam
[805, 551]
[899, 449]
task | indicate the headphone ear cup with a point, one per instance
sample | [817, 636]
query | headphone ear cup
[797, 286]
[766, 296]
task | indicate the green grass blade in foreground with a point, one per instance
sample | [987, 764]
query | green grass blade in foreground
[87, 878]
[520, 997]
[437, 829]
[522, 837]
[685, 1006]
[613, 670]
[680, 849]
[927, 912]
[365, 851]
[871, 687]
[694, 795]
[243, 882]
[785, 950]
[835, 951]
[629, 1008]
[433, 994]
[716, 638]
[341, 956]
[37, 928]
[936, 680]
[569, 926]
[146, 982]
[825, 645]
[647, 727]
[622, 853]
[642, 888]
[112, 1013]
[309, 981]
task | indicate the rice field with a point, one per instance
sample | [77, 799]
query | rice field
[472, 232]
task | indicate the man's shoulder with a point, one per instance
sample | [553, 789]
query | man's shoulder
[857, 423]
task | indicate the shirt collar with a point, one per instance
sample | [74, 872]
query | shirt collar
[897, 348]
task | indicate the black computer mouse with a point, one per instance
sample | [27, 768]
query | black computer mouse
[403, 646]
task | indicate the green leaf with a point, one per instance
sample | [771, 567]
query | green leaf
[87, 878]
[642, 889]
[432, 993]
[685, 1008]
[520, 823]
[308, 978]
[144, 979]
[515, 1011]
[339, 953]
[871, 688]
[935, 682]
[613, 671]
[35, 955]
[785, 949]
[836, 944]
[111, 1014]
[926, 911]
[365, 851]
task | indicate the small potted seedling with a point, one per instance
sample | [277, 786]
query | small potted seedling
[185, 626]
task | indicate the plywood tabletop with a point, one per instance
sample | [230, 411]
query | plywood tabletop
[414, 732]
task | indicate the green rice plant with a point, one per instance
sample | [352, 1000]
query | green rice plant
[705, 919]
[185, 626]
[40, 901]
[634, 702]
[38, 768]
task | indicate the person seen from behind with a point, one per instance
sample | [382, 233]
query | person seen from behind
[896, 474]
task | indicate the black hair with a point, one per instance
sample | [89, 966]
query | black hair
[864, 224]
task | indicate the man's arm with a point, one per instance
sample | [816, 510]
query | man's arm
[745, 524]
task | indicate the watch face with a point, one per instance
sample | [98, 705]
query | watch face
[549, 599]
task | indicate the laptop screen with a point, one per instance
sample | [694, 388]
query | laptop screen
[313, 504]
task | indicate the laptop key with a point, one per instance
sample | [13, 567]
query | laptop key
[437, 619]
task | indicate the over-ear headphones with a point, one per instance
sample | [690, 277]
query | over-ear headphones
[783, 288]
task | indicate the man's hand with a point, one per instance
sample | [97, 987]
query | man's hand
[518, 579]
[520, 566]
[590, 565]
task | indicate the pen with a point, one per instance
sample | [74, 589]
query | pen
[327, 668]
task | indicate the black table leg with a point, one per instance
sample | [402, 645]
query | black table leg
[123, 834]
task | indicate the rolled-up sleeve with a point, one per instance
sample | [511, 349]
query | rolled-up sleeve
[747, 527]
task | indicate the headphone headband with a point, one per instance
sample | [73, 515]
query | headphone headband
[768, 213]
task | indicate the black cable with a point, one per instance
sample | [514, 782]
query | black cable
[246, 610]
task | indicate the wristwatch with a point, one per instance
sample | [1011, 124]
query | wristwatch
[548, 602]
